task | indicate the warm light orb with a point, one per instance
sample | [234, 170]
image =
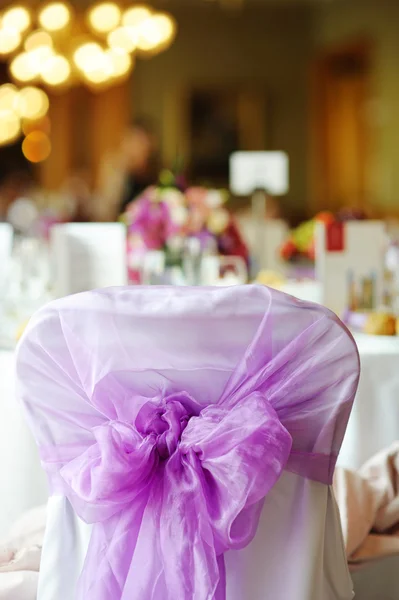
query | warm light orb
[150, 34]
[101, 72]
[166, 27]
[122, 63]
[10, 39]
[27, 66]
[124, 38]
[156, 33]
[32, 103]
[94, 63]
[38, 44]
[8, 96]
[36, 147]
[135, 15]
[56, 70]
[17, 17]
[21, 68]
[55, 16]
[97, 76]
[10, 126]
[38, 57]
[86, 55]
[104, 17]
[38, 39]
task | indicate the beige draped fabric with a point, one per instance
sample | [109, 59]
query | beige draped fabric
[368, 502]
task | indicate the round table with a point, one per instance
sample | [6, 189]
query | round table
[22, 481]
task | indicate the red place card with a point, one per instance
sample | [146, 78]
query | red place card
[335, 237]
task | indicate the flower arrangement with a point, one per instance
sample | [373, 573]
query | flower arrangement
[166, 216]
[300, 246]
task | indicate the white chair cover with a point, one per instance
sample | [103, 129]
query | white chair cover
[95, 343]
[283, 562]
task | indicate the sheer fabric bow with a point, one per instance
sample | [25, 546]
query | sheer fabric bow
[171, 492]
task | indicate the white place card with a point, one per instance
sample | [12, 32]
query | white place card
[350, 265]
[6, 241]
[250, 171]
[88, 256]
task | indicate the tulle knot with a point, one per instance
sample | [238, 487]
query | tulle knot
[165, 421]
[184, 485]
[125, 456]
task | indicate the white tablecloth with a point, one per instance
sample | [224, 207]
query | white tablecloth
[22, 482]
[309, 291]
[374, 424]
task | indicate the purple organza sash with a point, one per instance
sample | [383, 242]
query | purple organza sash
[174, 485]
[172, 492]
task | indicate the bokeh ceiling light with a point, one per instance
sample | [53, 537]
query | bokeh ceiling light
[100, 71]
[10, 126]
[57, 46]
[94, 63]
[149, 35]
[56, 70]
[10, 40]
[166, 26]
[38, 39]
[20, 109]
[8, 96]
[17, 17]
[27, 66]
[55, 16]
[21, 68]
[121, 62]
[155, 32]
[86, 55]
[104, 17]
[32, 103]
[36, 147]
[124, 38]
[97, 76]
[135, 15]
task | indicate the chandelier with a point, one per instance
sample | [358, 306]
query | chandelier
[54, 47]
[57, 47]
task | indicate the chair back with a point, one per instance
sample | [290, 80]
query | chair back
[166, 416]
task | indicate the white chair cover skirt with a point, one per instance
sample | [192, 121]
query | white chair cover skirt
[297, 554]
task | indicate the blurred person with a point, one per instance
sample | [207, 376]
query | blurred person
[77, 197]
[128, 172]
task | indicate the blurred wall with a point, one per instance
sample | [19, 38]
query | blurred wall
[258, 46]
[339, 23]
[85, 126]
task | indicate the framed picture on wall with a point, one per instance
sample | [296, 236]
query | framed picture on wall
[205, 124]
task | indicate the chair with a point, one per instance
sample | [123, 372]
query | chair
[189, 436]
